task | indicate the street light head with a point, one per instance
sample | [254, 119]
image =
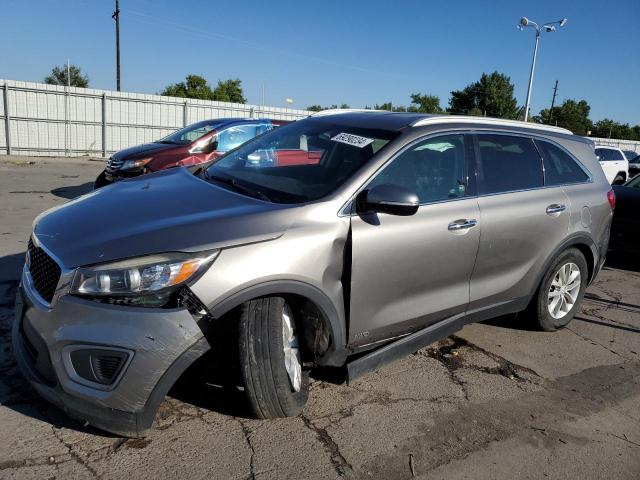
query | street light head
[524, 21]
[549, 28]
[563, 22]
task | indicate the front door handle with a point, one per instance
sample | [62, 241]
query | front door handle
[555, 209]
[462, 224]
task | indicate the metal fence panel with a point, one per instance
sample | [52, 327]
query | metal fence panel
[621, 144]
[56, 120]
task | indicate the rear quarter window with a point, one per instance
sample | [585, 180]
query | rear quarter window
[559, 167]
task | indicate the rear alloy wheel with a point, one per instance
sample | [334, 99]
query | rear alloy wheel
[271, 360]
[560, 294]
[564, 290]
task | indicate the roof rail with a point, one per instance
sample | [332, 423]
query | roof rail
[487, 120]
[336, 111]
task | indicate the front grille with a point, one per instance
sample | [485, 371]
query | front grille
[44, 270]
[113, 165]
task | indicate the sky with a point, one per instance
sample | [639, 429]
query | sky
[331, 51]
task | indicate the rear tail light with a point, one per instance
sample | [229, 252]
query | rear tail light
[611, 196]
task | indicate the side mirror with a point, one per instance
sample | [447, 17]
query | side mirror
[211, 147]
[205, 146]
[388, 198]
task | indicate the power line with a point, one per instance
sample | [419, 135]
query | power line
[116, 17]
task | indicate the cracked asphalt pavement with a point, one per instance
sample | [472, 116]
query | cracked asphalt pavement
[496, 400]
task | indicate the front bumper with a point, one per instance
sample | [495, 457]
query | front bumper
[162, 342]
[105, 178]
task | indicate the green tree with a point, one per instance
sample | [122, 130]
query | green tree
[58, 76]
[319, 108]
[229, 91]
[424, 103]
[194, 86]
[572, 114]
[611, 129]
[492, 95]
[390, 107]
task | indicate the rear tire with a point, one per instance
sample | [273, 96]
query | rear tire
[271, 391]
[619, 180]
[561, 291]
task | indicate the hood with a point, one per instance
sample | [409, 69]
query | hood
[162, 212]
[143, 150]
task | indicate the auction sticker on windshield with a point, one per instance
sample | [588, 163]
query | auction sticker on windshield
[353, 140]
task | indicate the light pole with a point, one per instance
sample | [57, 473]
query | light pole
[547, 27]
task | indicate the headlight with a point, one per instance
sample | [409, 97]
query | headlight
[140, 276]
[137, 164]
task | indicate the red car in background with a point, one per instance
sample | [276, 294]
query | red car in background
[196, 143]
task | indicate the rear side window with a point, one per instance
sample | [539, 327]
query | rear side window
[559, 167]
[508, 163]
[609, 155]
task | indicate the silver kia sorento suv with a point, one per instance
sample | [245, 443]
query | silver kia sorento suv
[347, 239]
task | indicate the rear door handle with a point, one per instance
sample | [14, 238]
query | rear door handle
[463, 224]
[555, 209]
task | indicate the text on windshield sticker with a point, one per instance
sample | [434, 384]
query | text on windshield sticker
[353, 140]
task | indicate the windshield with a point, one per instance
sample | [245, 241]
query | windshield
[300, 162]
[190, 133]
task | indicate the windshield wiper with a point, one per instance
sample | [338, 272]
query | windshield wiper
[238, 187]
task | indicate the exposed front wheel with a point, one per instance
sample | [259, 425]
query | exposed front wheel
[270, 359]
[560, 294]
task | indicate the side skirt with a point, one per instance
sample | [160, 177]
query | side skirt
[409, 344]
[402, 347]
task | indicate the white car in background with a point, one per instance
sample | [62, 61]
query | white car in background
[614, 164]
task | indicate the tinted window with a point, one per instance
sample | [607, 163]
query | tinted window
[559, 167]
[434, 169]
[634, 182]
[608, 155]
[508, 163]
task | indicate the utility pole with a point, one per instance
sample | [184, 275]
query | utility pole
[553, 101]
[116, 17]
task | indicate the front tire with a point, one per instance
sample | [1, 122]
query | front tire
[270, 359]
[561, 291]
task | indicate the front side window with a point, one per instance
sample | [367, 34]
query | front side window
[609, 155]
[434, 169]
[508, 163]
[233, 137]
[300, 162]
[190, 133]
[559, 167]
